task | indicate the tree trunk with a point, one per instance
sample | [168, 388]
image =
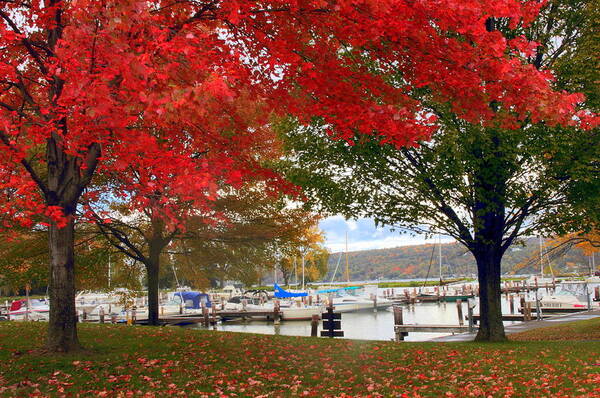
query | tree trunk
[152, 271]
[491, 327]
[62, 328]
[286, 279]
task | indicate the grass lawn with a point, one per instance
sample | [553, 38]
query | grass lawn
[137, 361]
[580, 331]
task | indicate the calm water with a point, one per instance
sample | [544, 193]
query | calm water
[367, 325]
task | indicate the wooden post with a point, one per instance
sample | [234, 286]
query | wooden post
[527, 316]
[512, 303]
[205, 314]
[113, 318]
[538, 308]
[587, 296]
[276, 312]
[309, 300]
[213, 307]
[133, 315]
[597, 293]
[522, 304]
[314, 325]
[398, 321]
[470, 315]
[374, 303]
[83, 315]
[461, 321]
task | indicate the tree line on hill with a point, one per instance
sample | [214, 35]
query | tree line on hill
[414, 261]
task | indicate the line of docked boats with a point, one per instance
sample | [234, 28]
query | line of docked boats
[121, 305]
[231, 304]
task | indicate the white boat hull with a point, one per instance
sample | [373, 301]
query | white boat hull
[300, 313]
[341, 306]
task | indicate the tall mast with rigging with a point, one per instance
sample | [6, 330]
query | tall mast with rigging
[440, 255]
[347, 269]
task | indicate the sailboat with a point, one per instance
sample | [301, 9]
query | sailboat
[348, 300]
[449, 297]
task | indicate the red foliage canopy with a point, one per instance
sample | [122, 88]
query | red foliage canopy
[184, 89]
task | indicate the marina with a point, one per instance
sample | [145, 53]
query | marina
[367, 312]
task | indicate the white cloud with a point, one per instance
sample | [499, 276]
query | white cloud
[363, 235]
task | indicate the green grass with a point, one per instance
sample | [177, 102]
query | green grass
[577, 331]
[129, 360]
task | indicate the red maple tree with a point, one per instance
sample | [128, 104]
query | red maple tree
[88, 87]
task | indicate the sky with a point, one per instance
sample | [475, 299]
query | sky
[363, 235]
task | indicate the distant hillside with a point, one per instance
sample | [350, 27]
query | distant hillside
[413, 262]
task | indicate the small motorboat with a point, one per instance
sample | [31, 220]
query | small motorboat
[568, 297]
[32, 310]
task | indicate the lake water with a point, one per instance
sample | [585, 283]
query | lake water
[367, 325]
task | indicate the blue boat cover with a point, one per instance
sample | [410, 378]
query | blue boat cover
[193, 299]
[280, 293]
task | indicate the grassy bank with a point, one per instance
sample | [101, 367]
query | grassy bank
[587, 330]
[122, 360]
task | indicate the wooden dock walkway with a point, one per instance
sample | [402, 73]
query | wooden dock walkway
[433, 328]
[508, 317]
[268, 315]
[530, 325]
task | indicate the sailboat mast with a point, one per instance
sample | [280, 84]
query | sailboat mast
[541, 259]
[347, 269]
[440, 255]
[303, 272]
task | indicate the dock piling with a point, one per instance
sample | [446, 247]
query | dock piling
[314, 325]
[398, 321]
[511, 302]
[461, 321]
[527, 312]
[470, 316]
[276, 313]
[205, 316]
[538, 308]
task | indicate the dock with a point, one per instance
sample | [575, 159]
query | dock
[522, 327]
[268, 315]
[179, 320]
[508, 317]
[434, 328]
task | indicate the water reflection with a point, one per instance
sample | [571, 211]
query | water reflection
[369, 325]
